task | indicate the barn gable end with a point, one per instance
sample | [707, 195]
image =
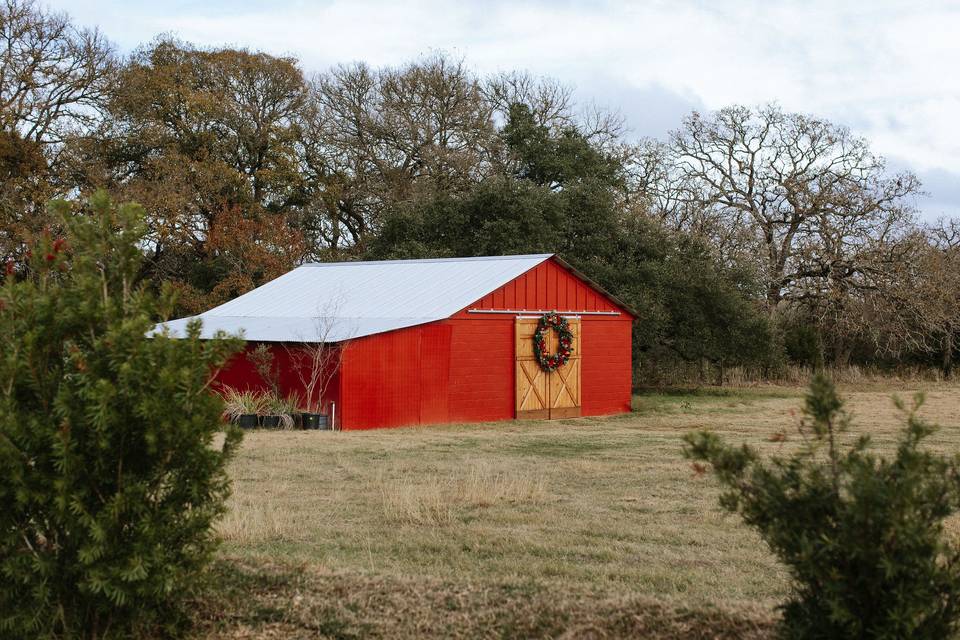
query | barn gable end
[551, 285]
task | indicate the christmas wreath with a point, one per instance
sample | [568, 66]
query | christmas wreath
[547, 361]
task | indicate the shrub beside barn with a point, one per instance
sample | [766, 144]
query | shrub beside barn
[436, 341]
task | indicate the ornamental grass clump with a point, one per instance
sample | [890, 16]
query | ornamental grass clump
[238, 403]
[862, 536]
[112, 451]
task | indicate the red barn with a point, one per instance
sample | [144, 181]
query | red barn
[435, 341]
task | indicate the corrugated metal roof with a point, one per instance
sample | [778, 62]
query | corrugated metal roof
[334, 301]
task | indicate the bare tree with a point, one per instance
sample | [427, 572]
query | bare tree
[381, 136]
[680, 202]
[944, 278]
[316, 358]
[812, 197]
[316, 364]
[266, 366]
[946, 233]
[919, 311]
[550, 102]
[54, 76]
[552, 105]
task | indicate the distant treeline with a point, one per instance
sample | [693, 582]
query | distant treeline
[751, 237]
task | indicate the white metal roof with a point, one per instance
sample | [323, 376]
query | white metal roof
[334, 301]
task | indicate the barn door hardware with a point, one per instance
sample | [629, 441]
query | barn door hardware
[540, 312]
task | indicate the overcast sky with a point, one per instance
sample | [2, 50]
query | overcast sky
[888, 70]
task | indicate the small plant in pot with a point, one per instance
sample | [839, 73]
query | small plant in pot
[243, 408]
[284, 410]
[269, 421]
[310, 420]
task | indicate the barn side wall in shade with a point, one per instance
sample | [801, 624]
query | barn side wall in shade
[240, 374]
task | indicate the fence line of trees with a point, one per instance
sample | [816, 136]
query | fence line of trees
[751, 236]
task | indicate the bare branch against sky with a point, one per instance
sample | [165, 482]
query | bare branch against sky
[885, 69]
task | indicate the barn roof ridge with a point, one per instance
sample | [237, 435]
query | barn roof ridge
[531, 256]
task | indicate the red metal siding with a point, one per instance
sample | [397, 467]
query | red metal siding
[481, 368]
[397, 378]
[435, 373]
[381, 382]
[549, 285]
[606, 366]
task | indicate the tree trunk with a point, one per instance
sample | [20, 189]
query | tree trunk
[774, 295]
[820, 358]
[948, 354]
[334, 235]
[720, 373]
[841, 356]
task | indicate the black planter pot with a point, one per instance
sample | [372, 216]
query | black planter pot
[270, 422]
[314, 421]
[247, 421]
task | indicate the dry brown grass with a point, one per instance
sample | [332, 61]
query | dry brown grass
[441, 499]
[607, 507]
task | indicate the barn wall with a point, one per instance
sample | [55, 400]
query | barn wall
[381, 383]
[462, 369]
[482, 380]
[481, 368]
[606, 365]
[447, 371]
[397, 378]
[435, 365]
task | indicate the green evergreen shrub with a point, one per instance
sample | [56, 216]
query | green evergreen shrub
[862, 535]
[803, 343]
[112, 448]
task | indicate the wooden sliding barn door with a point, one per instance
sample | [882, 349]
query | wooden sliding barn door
[532, 397]
[564, 383]
[541, 394]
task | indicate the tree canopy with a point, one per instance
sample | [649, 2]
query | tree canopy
[750, 236]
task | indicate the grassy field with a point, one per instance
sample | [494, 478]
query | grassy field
[587, 527]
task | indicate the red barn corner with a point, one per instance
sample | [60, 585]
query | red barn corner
[437, 341]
